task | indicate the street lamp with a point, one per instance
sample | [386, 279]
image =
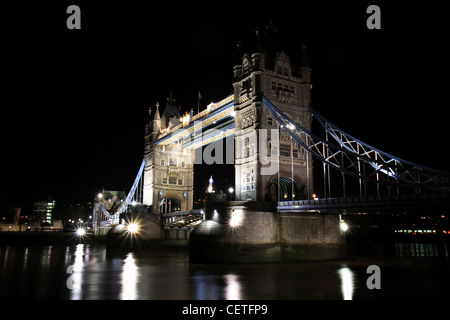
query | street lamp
[231, 194]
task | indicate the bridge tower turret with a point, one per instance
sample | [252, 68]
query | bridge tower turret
[168, 171]
[156, 123]
[269, 71]
[152, 130]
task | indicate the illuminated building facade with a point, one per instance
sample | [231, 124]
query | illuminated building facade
[43, 210]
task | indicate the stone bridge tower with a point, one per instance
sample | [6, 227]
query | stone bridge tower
[259, 143]
[286, 83]
[169, 170]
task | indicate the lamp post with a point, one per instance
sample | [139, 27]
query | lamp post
[231, 193]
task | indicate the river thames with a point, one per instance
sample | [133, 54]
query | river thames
[89, 272]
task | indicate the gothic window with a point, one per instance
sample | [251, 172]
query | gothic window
[248, 180]
[172, 180]
[248, 118]
[247, 147]
[247, 86]
[269, 121]
[180, 182]
[244, 184]
[274, 85]
[285, 72]
[172, 163]
[162, 162]
[295, 152]
[291, 89]
[286, 87]
[279, 71]
[164, 180]
[183, 164]
[285, 151]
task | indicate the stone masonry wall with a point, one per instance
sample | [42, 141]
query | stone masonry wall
[309, 228]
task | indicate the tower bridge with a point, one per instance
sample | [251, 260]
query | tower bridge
[265, 127]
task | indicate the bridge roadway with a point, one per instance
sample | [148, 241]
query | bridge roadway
[368, 204]
[182, 219]
[348, 205]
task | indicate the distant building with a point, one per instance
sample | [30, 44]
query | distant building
[218, 196]
[43, 210]
[16, 215]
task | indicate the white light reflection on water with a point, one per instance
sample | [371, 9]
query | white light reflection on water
[347, 282]
[233, 289]
[129, 278]
[77, 273]
[206, 286]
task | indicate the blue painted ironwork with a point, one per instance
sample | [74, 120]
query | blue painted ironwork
[357, 159]
[128, 199]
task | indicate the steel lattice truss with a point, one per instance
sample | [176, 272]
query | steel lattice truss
[357, 159]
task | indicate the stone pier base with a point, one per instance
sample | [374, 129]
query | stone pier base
[242, 232]
[251, 232]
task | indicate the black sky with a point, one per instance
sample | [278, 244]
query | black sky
[74, 102]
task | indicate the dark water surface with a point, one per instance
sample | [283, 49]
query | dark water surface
[415, 271]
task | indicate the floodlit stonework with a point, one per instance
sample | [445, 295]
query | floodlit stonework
[170, 137]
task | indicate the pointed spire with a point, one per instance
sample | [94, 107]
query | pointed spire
[210, 187]
[157, 116]
[305, 62]
[305, 69]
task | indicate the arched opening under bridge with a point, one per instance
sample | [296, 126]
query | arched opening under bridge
[287, 188]
[169, 205]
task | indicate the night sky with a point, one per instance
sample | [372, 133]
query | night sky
[75, 102]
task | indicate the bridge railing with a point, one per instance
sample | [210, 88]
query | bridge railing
[181, 218]
[109, 222]
[363, 202]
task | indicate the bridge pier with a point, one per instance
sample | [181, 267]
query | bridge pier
[254, 232]
[241, 232]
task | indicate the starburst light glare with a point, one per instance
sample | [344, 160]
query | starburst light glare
[132, 228]
[80, 232]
